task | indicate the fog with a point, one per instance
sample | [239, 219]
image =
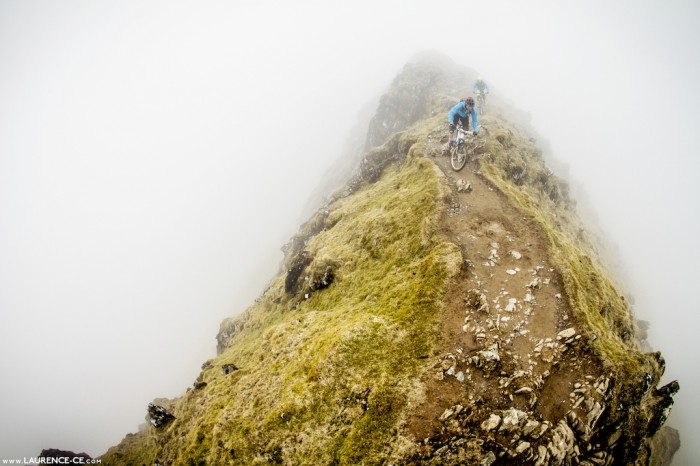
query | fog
[155, 156]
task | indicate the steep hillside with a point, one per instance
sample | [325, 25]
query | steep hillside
[426, 316]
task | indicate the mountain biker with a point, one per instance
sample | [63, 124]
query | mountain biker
[480, 86]
[460, 115]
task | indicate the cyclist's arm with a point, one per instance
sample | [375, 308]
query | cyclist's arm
[451, 115]
[459, 109]
[475, 121]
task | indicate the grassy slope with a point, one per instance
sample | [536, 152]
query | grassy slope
[328, 379]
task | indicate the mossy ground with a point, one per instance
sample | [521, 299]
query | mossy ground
[327, 375]
[138, 448]
[326, 378]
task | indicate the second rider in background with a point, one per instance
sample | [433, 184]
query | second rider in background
[480, 86]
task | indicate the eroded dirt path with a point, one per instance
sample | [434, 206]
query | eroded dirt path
[507, 335]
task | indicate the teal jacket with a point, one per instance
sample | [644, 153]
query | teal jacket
[461, 110]
[480, 86]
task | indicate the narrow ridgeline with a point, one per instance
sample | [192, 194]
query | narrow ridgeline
[426, 316]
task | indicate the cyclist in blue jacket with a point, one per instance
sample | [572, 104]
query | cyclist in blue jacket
[460, 115]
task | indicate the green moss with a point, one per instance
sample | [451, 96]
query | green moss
[326, 372]
[324, 376]
[134, 449]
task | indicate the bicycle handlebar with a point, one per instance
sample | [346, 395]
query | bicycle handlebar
[461, 130]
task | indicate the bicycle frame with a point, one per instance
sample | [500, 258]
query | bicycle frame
[461, 134]
[480, 101]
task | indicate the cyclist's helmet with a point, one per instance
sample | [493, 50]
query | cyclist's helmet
[479, 79]
[470, 101]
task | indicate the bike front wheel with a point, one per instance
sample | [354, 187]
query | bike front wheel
[458, 157]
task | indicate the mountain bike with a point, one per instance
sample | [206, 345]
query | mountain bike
[480, 102]
[458, 149]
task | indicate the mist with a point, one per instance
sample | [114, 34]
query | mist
[155, 157]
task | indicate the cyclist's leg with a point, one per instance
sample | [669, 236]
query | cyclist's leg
[464, 121]
[451, 136]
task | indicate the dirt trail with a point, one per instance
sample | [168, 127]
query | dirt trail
[501, 345]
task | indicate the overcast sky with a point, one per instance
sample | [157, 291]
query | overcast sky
[155, 156]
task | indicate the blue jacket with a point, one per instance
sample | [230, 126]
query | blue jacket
[461, 110]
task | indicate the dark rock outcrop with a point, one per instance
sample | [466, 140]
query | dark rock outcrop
[297, 266]
[158, 416]
[226, 369]
[75, 458]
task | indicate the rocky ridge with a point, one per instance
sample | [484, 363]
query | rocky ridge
[522, 379]
[519, 352]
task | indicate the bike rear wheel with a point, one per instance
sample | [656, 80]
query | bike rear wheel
[480, 105]
[458, 157]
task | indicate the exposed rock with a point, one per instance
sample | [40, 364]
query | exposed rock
[447, 414]
[594, 414]
[489, 459]
[491, 423]
[522, 446]
[158, 416]
[477, 301]
[662, 407]
[561, 446]
[542, 455]
[512, 419]
[322, 280]
[464, 186]
[405, 103]
[76, 458]
[614, 437]
[226, 369]
[530, 426]
[578, 426]
[568, 333]
[487, 357]
[297, 266]
[601, 385]
[228, 329]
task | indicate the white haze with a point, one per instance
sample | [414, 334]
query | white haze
[155, 156]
